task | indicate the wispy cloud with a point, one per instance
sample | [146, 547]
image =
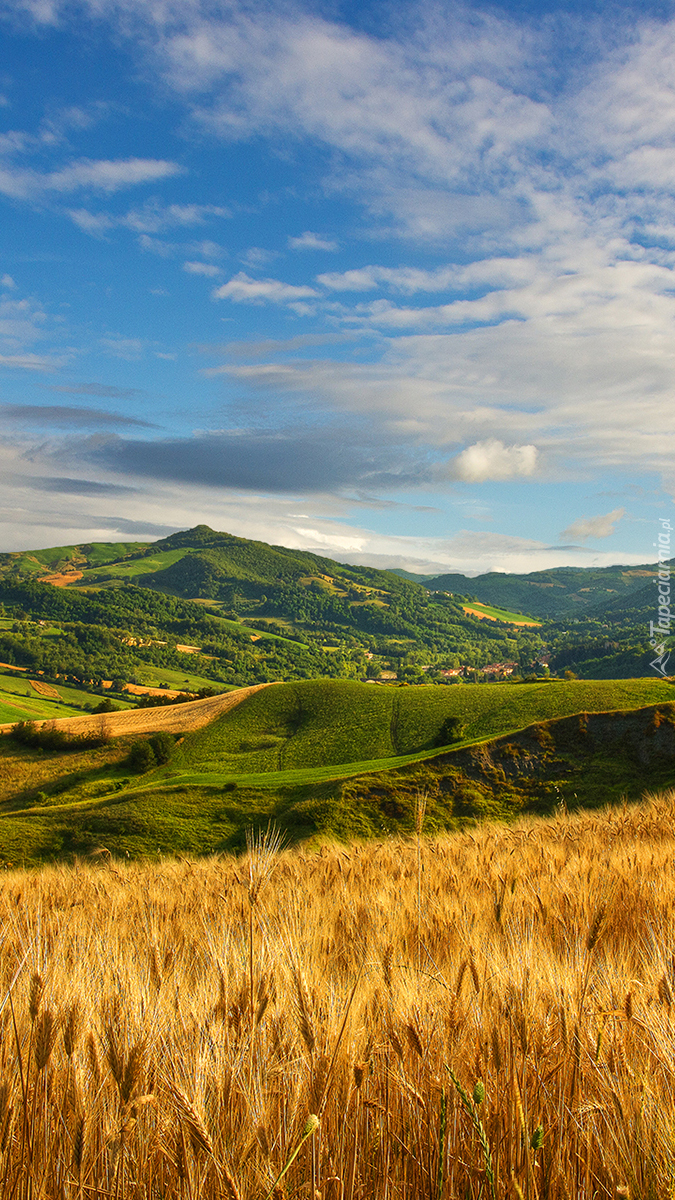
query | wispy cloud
[257, 291]
[151, 218]
[201, 268]
[98, 176]
[593, 527]
[311, 241]
[51, 414]
[123, 347]
[104, 390]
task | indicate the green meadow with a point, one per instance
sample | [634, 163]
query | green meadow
[335, 758]
[502, 614]
[315, 724]
[20, 702]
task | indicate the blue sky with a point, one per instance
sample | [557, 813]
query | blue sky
[391, 283]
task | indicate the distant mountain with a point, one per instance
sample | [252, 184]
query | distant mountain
[560, 592]
[260, 612]
[257, 612]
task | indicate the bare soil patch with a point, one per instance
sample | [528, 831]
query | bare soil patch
[61, 578]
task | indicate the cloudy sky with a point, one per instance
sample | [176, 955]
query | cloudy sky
[394, 282]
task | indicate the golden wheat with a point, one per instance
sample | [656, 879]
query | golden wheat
[530, 1053]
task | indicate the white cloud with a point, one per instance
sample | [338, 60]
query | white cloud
[102, 176]
[30, 362]
[454, 134]
[256, 291]
[201, 268]
[26, 521]
[593, 527]
[152, 217]
[311, 241]
[7, 282]
[492, 460]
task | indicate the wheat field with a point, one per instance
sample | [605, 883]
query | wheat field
[176, 718]
[483, 1015]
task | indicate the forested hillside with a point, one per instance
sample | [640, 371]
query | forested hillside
[251, 612]
[560, 592]
[235, 611]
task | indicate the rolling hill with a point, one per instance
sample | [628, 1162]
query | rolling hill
[557, 593]
[337, 758]
[255, 613]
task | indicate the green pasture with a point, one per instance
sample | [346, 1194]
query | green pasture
[502, 614]
[19, 706]
[138, 566]
[20, 702]
[315, 724]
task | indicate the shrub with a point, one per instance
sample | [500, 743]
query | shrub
[141, 757]
[162, 746]
[47, 737]
[451, 730]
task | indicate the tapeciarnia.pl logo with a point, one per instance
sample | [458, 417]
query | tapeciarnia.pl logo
[659, 630]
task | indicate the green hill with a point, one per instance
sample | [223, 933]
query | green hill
[323, 723]
[341, 759]
[560, 592]
[227, 596]
[261, 613]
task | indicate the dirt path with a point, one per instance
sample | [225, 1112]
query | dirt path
[176, 718]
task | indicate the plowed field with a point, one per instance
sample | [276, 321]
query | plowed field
[44, 689]
[178, 718]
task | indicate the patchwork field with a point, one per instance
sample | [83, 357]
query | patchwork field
[486, 1016]
[499, 614]
[174, 719]
[23, 699]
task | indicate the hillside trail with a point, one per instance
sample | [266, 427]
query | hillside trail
[175, 718]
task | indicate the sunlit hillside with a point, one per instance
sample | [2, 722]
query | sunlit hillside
[483, 1015]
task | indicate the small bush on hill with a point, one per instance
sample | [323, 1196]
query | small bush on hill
[141, 757]
[162, 745]
[157, 750]
[451, 730]
[27, 733]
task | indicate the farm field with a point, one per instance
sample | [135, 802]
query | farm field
[174, 718]
[499, 614]
[20, 702]
[483, 1015]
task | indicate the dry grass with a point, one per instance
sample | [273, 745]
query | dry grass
[179, 718]
[44, 689]
[262, 1028]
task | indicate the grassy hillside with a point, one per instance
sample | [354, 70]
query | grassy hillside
[320, 723]
[331, 758]
[20, 701]
[486, 1016]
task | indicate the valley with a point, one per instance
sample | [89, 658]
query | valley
[324, 696]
